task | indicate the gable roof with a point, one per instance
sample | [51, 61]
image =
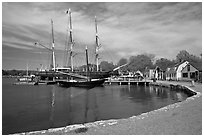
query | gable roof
[198, 66]
[171, 70]
[174, 68]
[186, 67]
[178, 64]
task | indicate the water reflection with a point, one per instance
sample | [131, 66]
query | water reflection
[73, 105]
[42, 107]
[145, 94]
[52, 107]
[69, 107]
[91, 106]
[60, 107]
[179, 96]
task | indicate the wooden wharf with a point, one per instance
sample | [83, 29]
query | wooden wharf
[128, 82]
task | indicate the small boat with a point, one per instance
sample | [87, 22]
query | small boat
[33, 81]
[26, 78]
[47, 82]
[26, 83]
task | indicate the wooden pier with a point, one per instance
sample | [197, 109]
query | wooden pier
[127, 82]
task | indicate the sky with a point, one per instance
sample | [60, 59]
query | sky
[125, 29]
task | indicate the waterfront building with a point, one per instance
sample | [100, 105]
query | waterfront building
[190, 72]
[159, 73]
[138, 73]
[149, 73]
[185, 71]
[174, 73]
[156, 73]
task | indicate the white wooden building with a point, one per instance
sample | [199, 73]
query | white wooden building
[174, 73]
[190, 72]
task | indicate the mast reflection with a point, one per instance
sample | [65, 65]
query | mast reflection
[52, 108]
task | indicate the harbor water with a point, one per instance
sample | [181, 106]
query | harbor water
[29, 108]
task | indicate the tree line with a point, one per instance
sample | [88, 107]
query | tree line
[134, 63]
[147, 61]
[14, 72]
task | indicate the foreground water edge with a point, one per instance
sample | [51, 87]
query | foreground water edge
[90, 98]
[188, 111]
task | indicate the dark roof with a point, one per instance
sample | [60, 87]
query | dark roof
[198, 66]
[178, 64]
[172, 70]
[160, 69]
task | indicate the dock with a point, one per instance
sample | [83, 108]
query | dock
[127, 82]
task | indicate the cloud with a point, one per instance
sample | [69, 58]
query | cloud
[17, 45]
[125, 29]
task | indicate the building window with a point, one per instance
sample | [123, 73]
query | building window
[192, 75]
[188, 67]
[185, 75]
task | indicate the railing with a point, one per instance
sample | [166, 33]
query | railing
[73, 75]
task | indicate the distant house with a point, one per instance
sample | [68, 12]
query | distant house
[190, 72]
[156, 73]
[159, 74]
[171, 73]
[138, 73]
[149, 73]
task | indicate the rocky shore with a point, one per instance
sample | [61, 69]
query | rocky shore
[182, 118]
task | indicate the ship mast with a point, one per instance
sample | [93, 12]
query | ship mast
[53, 46]
[97, 47]
[27, 69]
[52, 49]
[71, 41]
[87, 63]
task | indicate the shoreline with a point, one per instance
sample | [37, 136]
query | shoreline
[179, 118]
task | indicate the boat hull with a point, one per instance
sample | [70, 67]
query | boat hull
[24, 79]
[88, 84]
[25, 83]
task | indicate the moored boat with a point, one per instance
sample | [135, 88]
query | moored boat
[87, 82]
[55, 73]
[70, 53]
[82, 83]
[26, 83]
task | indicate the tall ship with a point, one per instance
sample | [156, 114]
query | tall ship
[96, 73]
[68, 71]
[87, 82]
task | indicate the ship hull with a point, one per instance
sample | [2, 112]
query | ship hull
[87, 84]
